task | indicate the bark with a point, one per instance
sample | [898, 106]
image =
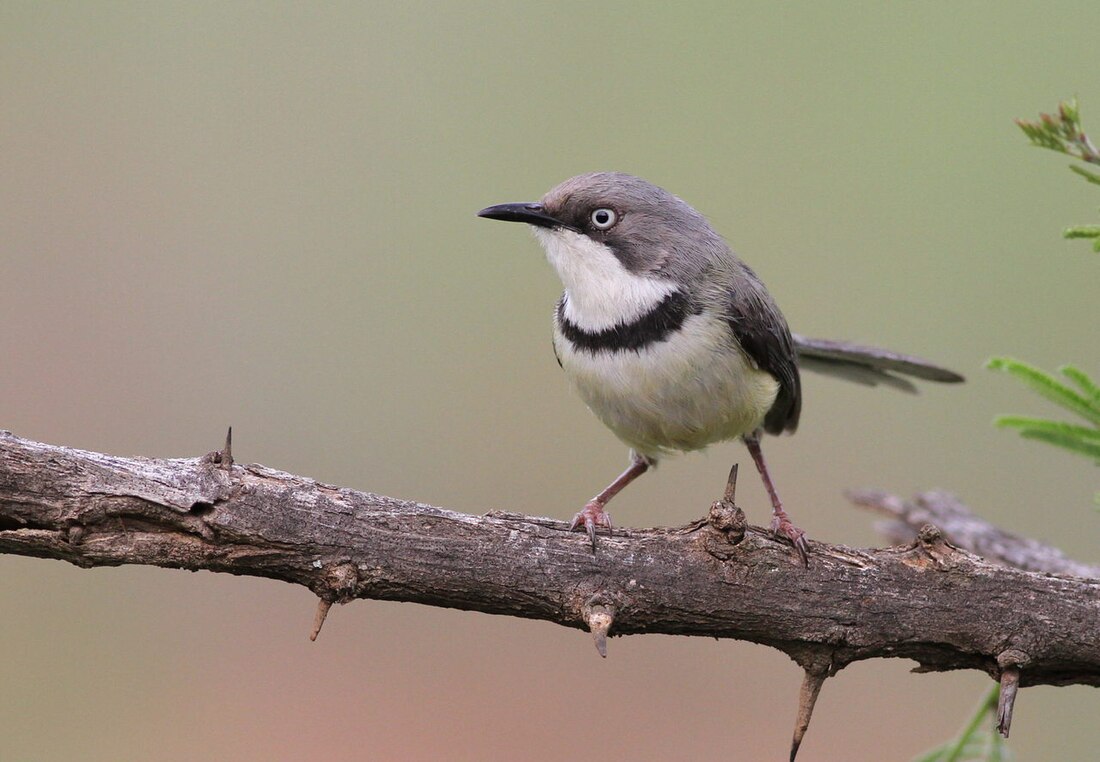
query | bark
[927, 600]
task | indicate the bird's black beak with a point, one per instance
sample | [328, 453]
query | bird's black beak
[530, 212]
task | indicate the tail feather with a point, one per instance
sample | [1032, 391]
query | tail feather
[868, 365]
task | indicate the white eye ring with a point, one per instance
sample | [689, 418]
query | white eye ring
[604, 218]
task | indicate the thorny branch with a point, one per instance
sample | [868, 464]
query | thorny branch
[928, 600]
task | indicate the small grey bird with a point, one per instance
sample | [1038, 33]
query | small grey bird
[669, 338]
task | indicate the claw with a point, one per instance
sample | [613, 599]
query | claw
[783, 528]
[591, 516]
[803, 549]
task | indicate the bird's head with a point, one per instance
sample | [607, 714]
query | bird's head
[618, 243]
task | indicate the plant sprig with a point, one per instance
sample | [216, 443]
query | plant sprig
[1062, 133]
[979, 741]
[1065, 134]
[1084, 401]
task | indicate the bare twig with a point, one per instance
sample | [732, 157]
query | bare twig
[966, 530]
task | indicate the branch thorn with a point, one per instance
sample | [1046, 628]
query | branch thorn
[807, 697]
[731, 484]
[599, 619]
[1010, 682]
[319, 618]
[724, 514]
[226, 454]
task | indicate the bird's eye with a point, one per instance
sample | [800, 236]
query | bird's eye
[604, 219]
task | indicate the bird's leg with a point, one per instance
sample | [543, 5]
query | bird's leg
[781, 523]
[593, 513]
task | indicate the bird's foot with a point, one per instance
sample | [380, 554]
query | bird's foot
[784, 529]
[591, 516]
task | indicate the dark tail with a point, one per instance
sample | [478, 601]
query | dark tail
[868, 365]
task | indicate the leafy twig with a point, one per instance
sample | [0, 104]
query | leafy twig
[1084, 440]
[1065, 134]
[1062, 133]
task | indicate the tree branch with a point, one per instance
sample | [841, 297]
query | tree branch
[927, 600]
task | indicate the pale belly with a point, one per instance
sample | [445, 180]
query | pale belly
[673, 395]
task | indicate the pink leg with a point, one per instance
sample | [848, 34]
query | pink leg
[781, 523]
[593, 513]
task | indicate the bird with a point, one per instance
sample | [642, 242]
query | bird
[671, 339]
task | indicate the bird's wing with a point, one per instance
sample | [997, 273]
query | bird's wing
[868, 365]
[762, 332]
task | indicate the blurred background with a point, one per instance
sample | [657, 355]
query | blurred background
[263, 215]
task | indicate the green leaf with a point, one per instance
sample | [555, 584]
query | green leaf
[1079, 377]
[1071, 430]
[1069, 112]
[1080, 439]
[1082, 447]
[975, 743]
[1049, 387]
[1092, 177]
[971, 750]
[1082, 231]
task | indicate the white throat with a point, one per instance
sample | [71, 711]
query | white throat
[599, 292]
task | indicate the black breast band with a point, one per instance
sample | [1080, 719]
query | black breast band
[652, 327]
